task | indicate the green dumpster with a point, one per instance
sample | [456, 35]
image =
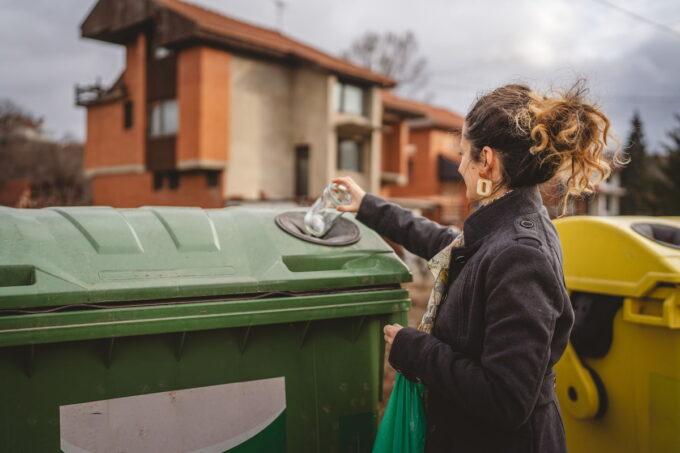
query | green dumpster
[182, 329]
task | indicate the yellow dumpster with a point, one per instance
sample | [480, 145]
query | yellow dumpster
[618, 382]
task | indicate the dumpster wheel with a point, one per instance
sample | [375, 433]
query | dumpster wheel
[601, 391]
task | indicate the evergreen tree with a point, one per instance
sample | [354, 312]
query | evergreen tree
[635, 177]
[669, 189]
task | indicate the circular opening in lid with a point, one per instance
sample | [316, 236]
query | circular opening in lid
[344, 232]
[660, 233]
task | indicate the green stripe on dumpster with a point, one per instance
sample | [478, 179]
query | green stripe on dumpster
[272, 439]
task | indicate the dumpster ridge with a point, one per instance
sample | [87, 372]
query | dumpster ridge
[106, 322]
[106, 229]
[191, 229]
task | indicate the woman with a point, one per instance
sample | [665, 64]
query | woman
[499, 315]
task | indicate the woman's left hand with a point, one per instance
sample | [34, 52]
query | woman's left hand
[390, 332]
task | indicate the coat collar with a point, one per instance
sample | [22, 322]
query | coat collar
[487, 219]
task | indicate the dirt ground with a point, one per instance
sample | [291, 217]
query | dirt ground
[419, 291]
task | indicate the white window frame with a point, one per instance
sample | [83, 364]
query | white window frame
[340, 97]
[161, 123]
[341, 164]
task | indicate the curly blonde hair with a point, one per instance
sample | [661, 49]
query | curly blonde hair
[539, 136]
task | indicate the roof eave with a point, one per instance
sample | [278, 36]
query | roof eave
[428, 123]
[405, 113]
[116, 25]
[231, 43]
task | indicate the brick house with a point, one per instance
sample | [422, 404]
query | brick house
[209, 109]
[421, 153]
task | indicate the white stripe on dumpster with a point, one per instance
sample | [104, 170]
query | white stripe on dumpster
[201, 420]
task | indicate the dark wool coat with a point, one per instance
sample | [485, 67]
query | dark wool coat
[502, 324]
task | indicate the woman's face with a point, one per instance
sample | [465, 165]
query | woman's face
[469, 168]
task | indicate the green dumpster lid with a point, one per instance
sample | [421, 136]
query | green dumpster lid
[74, 255]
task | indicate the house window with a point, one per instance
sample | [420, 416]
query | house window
[160, 176]
[163, 118]
[212, 178]
[157, 180]
[127, 109]
[349, 99]
[302, 171]
[173, 176]
[350, 155]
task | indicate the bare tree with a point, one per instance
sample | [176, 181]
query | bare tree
[394, 55]
[12, 118]
[52, 170]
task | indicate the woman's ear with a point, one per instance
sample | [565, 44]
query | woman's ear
[488, 159]
[491, 164]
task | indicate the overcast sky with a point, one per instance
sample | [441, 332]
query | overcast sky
[471, 46]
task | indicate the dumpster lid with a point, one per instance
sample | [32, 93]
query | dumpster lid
[75, 255]
[620, 255]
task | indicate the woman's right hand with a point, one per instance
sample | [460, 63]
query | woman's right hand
[354, 190]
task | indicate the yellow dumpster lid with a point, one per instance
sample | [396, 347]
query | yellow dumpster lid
[626, 255]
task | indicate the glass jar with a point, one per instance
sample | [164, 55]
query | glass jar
[322, 215]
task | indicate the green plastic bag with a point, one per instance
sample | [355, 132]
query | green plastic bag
[403, 426]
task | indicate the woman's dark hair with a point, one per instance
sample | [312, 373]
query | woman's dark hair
[539, 136]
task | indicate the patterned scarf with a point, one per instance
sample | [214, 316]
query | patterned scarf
[439, 267]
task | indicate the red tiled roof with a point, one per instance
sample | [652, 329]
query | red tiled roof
[437, 116]
[211, 22]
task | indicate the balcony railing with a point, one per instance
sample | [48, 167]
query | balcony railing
[86, 95]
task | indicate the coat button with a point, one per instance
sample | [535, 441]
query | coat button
[527, 223]
[459, 259]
